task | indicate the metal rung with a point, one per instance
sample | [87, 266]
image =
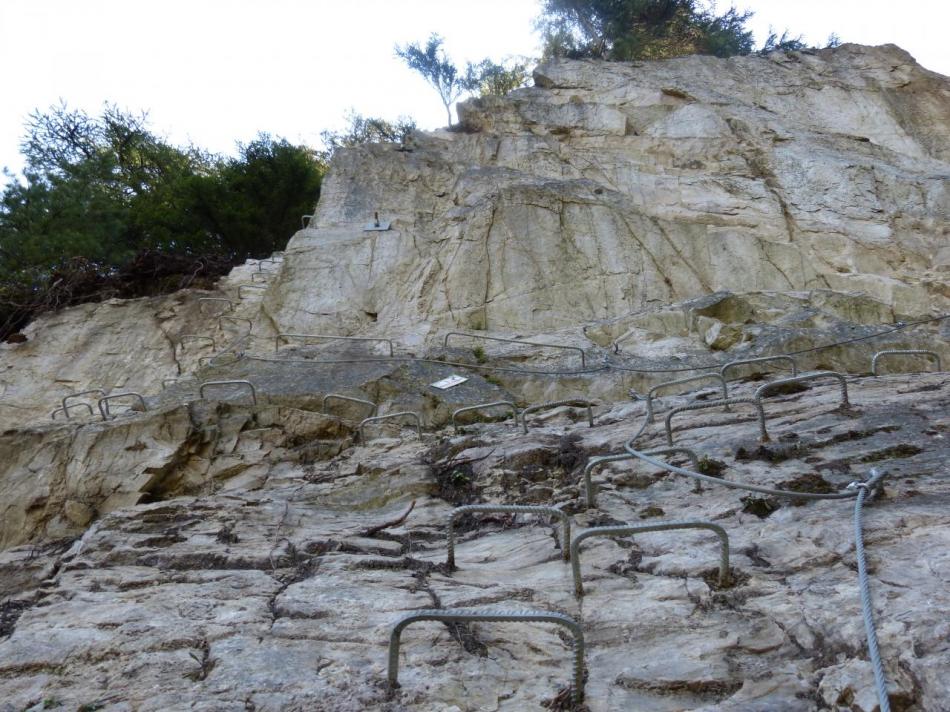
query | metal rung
[208, 384]
[66, 412]
[104, 402]
[350, 399]
[511, 509]
[903, 352]
[764, 388]
[208, 300]
[331, 337]
[681, 381]
[575, 402]
[715, 404]
[596, 462]
[445, 343]
[262, 275]
[460, 615]
[65, 408]
[305, 221]
[388, 416]
[479, 406]
[641, 529]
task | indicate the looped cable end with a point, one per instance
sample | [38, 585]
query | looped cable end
[869, 485]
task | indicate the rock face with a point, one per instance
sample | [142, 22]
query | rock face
[250, 546]
[607, 188]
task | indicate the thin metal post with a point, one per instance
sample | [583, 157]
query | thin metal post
[337, 396]
[763, 359]
[643, 528]
[903, 352]
[453, 615]
[207, 384]
[104, 402]
[445, 343]
[766, 387]
[596, 462]
[715, 404]
[510, 509]
[388, 416]
[332, 337]
[576, 402]
[479, 406]
[681, 381]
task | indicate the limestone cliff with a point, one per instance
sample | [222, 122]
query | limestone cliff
[249, 546]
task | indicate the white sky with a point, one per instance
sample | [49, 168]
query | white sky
[218, 71]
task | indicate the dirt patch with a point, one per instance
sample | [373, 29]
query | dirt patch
[771, 453]
[892, 453]
[810, 482]
[711, 467]
[761, 507]
[10, 612]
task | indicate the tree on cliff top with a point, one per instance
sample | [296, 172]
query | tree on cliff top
[624, 30]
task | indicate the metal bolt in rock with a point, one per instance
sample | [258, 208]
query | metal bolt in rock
[332, 337]
[763, 359]
[681, 381]
[903, 352]
[212, 300]
[509, 509]
[596, 462]
[616, 531]
[715, 404]
[104, 402]
[65, 407]
[463, 615]
[479, 406]
[578, 349]
[389, 416]
[213, 384]
[305, 221]
[766, 387]
[576, 402]
[336, 396]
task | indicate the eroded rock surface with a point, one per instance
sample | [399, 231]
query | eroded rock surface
[281, 596]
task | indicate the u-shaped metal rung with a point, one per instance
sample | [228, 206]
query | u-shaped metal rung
[104, 402]
[596, 462]
[255, 287]
[238, 382]
[903, 352]
[236, 320]
[509, 509]
[262, 275]
[479, 406]
[65, 408]
[766, 387]
[463, 615]
[575, 402]
[66, 412]
[196, 337]
[388, 416]
[763, 359]
[715, 404]
[578, 349]
[682, 381]
[220, 300]
[336, 396]
[641, 529]
[305, 221]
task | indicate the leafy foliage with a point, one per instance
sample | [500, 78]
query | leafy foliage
[641, 29]
[102, 195]
[489, 78]
[366, 129]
